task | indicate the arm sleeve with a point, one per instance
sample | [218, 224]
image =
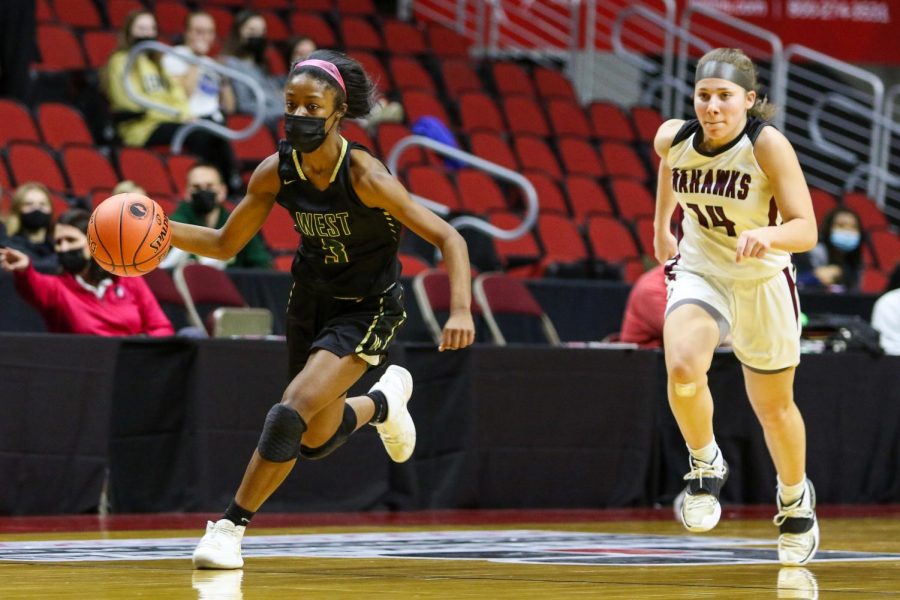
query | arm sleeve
[39, 290]
[155, 322]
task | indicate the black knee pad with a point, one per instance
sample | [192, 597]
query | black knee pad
[347, 426]
[280, 438]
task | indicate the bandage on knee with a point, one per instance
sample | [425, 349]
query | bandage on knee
[685, 390]
[280, 438]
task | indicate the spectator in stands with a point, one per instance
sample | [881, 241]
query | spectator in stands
[886, 315]
[205, 205]
[209, 94]
[645, 310]
[30, 225]
[143, 127]
[299, 47]
[245, 51]
[836, 262]
[85, 299]
[127, 186]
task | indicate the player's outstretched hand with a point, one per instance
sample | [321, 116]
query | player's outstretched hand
[753, 243]
[13, 260]
[665, 246]
[459, 331]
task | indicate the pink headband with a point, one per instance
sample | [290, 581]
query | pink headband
[325, 66]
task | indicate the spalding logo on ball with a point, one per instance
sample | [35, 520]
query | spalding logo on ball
[129, 234]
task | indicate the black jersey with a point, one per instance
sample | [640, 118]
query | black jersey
[347, 249]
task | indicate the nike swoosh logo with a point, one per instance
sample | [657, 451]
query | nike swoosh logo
[288, 182]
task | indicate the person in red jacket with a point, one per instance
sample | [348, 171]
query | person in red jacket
[645, 310]
[85, 299]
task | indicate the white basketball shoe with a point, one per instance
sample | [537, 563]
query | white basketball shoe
[799, 528]
[697, 506]
[220, 548]
[398, 432]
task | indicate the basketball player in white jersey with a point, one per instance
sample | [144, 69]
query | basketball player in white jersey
[746, 209]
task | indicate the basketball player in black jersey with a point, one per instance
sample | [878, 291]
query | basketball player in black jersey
[346, 302]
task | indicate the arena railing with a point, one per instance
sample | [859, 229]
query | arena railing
[207, 63]
[466, 221]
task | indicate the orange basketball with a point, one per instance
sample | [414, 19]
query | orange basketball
[129, 234]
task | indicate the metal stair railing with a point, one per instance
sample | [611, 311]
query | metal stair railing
[466, 221]
[888, 192]
[204, 124]
[838, 132]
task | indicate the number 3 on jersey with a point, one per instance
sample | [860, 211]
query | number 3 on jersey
[716, 215]
[338, 251]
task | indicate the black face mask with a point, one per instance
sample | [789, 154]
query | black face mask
[305, 134]
[35, 220]
[256, 46]
[203, 201]
[149, 38]
[72, 261]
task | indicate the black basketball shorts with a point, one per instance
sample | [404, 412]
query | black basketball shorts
[362, 326]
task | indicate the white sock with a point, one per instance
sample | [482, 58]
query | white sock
[707, 453]
[791, 493]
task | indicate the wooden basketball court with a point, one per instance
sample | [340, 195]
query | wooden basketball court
[457, 554]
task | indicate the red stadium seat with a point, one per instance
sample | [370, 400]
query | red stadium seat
[524, 115]
[869, 214]
[887, 247]
[504, 299]
[459, 76]
[5, 186]
[823, 203]
[170, 17]
[276, 29]
[33, 162]
[479, 113]
[223, 19]
[567, 118]
[412, 265]
[643, 227]
[99, 46]
[44, 11]
[534, 154]
[632, 197]
[388, 134]
[255, 148]
[520, 256]
[355, 133]
[562, 240]
[553, 84]
[610, 123]
[277, 65]
[622, 160]
[279, 232]
[446, 43]
[409, 74]
[422, 104]
[146, 169]
[179, 166]
[87, 169]
[646, 121]
[17, 123]
[550, 198]
[492, 147]
[376, 71]
[404, 38]
[62, 124]
[358, 34]
[587, 197]
[59, 49]
[431, 183]
[316, 5]
[580, 158]
[610, 239]
[355, 7]
[478, 192]
[117, 10]
[81, 14]
[510, 79]
[314, 26]
[873, 281]
[272, 4]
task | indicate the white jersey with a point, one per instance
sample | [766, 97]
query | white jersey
[722, 193]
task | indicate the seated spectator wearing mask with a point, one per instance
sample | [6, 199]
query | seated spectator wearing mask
[205, 205]
[85, 299]
[835, 264]
[30, 226]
